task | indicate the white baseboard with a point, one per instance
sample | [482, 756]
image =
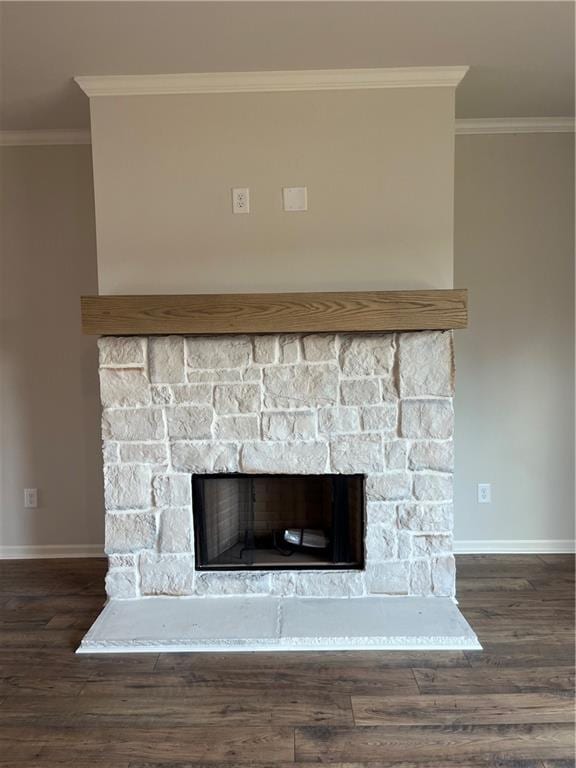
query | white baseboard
[51, 551]
[514, 546]
[461, 547]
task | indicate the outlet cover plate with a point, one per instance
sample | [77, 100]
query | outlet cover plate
[295, 198]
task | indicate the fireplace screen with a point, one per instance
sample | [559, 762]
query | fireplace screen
[273, 522]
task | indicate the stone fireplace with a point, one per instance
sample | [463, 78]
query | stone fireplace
[377, 406]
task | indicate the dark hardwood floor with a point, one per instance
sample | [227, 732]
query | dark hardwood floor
[510, 706]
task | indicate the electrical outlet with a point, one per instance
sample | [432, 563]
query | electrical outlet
[484, 493]
[240, 200]
[30, 498]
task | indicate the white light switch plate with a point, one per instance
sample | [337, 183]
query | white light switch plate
[295, 198]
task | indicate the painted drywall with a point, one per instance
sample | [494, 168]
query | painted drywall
[514, 403]
[49, 411]
[514, 250]
[378, 166]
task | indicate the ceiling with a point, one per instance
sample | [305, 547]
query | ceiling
[521, 54]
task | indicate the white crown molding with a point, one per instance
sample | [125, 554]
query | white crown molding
[514, 546]
[49, 137]
[41, 552]
[493, 125]
[490, 125]
[262, 82]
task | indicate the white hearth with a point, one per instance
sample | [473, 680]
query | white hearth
[213, 624]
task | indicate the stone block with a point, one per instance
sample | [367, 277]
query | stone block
[192, 422]
[381, 513]
[290, 458]
[338, 420]
[130, 531]
[194, 394]
[392, 486]
[289, 348]
[176, 530]
[433, 455]
[319, 347]
[133, 424]
[391, 578]
[166, 359]
[172, 490]
[220, 376]
[426, 517]
[162, 394]
[265, 349]
[379, 418]
[329, 584]
[227, 584]
[122, 584]
[166, 574]
[122, 351]
[427, 419]
[121, 561]
[404, 545]
[289, 425]
[389, 389]
[252, 373]
[359, 391]
[381, 543]
[237, 398]
[367, 355]
[443, 576]
[110, 452]
[283, 583]
[205, 457]
[420, 578]
[426, 545]
[433, 487]
[237, 427]
[300, 386]
[124, 388]
[144, 453]
[426, 364]
[127, 486]
[210, 352]
[357, 454]
[395, 453]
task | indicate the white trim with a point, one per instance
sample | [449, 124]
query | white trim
[515, 125]
[289, 80]
[50, 551]
[514, 546]
[49, 137]
[461, 547]
[491, 125]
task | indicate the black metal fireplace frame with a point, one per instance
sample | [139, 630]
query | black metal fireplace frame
[200, 544]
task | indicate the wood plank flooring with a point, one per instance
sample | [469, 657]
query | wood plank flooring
[510, 706]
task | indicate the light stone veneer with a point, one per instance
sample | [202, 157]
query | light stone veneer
[380, 405]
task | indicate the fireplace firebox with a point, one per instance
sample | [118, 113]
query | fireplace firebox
[278, 522]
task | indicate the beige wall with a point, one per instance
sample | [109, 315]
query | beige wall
[378, 166]
[49, 413]
[514, 250]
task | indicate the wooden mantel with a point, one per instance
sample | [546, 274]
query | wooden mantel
[368, 311]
